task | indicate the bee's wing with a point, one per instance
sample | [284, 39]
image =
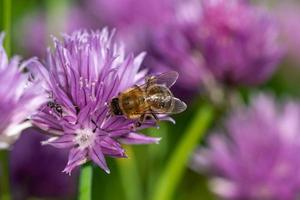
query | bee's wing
[168, 78]
[179, 106]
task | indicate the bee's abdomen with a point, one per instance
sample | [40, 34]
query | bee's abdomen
[160, 102]
[160, 98]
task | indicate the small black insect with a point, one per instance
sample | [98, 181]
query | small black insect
[56, 107]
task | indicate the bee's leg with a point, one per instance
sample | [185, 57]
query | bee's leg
[141, 120]
[155, 117]
[152, 115]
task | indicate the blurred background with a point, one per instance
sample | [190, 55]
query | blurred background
[225, 51]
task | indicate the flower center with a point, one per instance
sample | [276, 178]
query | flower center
[84, 138]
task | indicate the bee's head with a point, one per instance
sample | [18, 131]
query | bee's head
[115, 107]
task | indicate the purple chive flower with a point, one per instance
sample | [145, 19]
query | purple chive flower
[259, 158]
[82, 74]
[238, 41]
[125, 14]
[170, 48]
[231, 40]
[36, 29]
[134, 19]
[19, 97]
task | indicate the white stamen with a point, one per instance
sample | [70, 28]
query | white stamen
[84, 138]
[86, 83]
[81, 82]
[93, 95]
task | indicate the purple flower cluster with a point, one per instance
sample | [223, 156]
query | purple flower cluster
[258, 159]
[132, 13]
[19, 97]
[156, 26]
[232, 40]
[134, 19]
[238, 41]
[170, 48]
[82, 74]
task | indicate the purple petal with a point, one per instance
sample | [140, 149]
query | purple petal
[135, 138]
[100, 115]
[95, 153]
[76, 157]
[113, 122]
[118, 133]
[112, 87]
[47, 122]
[65, 141]
[126, 75]
[84, 114]
[111, 147]
[40, 71]
[167, 118]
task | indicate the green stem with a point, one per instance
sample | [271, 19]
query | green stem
[156, 155]
[176, 165]
[7, 25]
[85, 182]
[129, 176]
[4, 176]
[56, 16]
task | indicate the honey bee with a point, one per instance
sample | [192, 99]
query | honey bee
[146, 101]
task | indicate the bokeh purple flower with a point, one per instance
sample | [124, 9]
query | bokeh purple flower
[259, 156]
[238, 41]
[28, 162]
[128, 15]
[19, 97]
[82, 74]
[36, 29]
[152, 25]
[170, 48]
[231, 41]
[133, 19]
